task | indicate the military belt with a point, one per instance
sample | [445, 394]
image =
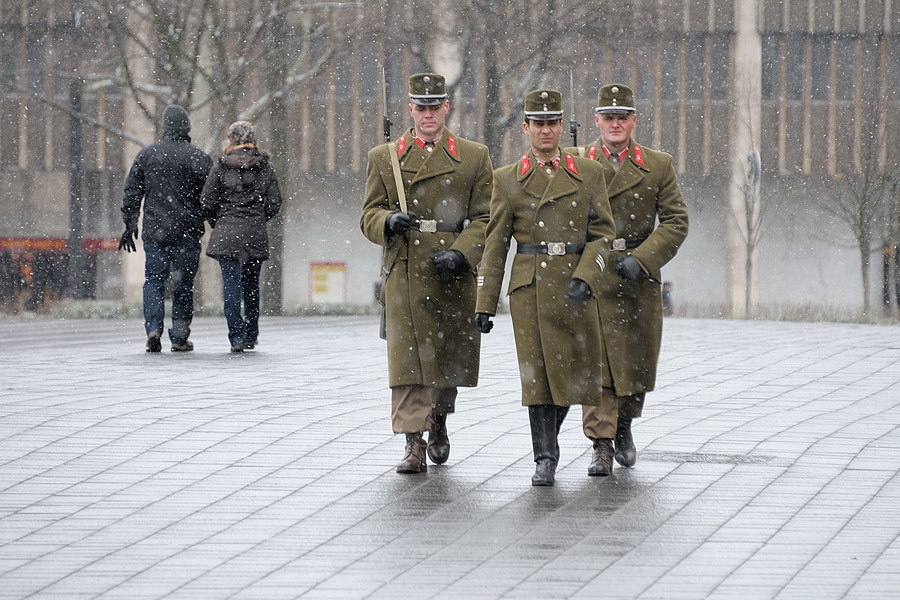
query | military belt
[432, 226]
[621, 244]
[550, 248]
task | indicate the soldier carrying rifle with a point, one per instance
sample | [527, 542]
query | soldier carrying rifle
[426, 203]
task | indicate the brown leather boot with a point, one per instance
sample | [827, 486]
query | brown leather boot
[414, 461]
[438, 438]
[601, 462]
[626, 454]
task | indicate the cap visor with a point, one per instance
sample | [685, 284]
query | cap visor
[427, 101]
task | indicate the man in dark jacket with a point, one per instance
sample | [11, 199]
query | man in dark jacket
[167, 177]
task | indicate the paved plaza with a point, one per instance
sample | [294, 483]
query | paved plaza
[768, 468]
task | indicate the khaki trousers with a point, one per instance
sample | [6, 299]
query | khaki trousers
[599, 422]
[411, 405]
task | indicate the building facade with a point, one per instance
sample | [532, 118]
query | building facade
[813, 86]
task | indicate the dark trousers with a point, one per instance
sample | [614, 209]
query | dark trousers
[181, 262]
[240, 285]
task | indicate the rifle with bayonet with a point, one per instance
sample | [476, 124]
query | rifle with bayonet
[386, 124]
[385, 121]
[573, 122]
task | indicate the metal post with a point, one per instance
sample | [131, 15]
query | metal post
[78, 285]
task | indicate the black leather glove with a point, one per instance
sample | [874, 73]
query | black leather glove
[449, 263]
[127, 240]
[483, 322]
[578, 289]
[628, 268]
[398, 223]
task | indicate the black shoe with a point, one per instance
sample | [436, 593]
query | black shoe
[438, 439]
[601, 461]
[238, 347]
[187, 346]
[544, 472]
[626, 454]
[154, 344]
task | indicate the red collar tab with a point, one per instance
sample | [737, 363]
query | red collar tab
[526, 164]
[639, 156]
[592, 153]
[451, 146]
[570, 164]
[401, 145]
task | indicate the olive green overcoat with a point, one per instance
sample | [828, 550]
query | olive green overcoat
[554, 334]
[429, 323]
[651, 215]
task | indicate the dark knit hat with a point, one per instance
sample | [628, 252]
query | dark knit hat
[241, 132]
[176, 119]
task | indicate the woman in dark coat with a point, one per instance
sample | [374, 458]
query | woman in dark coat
[241, 194]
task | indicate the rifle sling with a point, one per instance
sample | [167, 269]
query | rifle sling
[398, 179]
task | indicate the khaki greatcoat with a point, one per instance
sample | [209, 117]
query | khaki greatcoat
[648, 208]
[553, 333]
[429, 323]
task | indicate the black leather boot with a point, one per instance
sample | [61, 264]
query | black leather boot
[414, 460]
[438, 438]
[626, 454]
[601, 461]
[544, 422]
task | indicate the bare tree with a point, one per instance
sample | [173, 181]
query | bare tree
[858, 200]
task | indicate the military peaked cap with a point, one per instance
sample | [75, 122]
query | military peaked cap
[543, 105]
[615, 98]
[427, 89]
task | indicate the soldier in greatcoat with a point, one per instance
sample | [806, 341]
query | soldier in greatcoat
[431, 226]
[651, 224]
[554, 205]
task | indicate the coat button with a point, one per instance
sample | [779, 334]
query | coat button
[448, 181]
[632, 217]
[572, 224]
[540, 223]
[636, 195]
[543, 265]
[415, 242]
[574, 204]
[442, 242]
[416, 202]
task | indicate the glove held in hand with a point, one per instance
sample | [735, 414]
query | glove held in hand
[449, 263]
[483, 322]
[578, 289]
[398, 223]
[628, 268]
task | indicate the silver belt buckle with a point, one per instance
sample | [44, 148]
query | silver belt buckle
[556, 248]
[619, 244]
[427, 225]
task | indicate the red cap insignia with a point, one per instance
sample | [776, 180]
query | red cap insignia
[639, 156]
[526, 164]
[401, 145]
[451, 146]
[570, 164]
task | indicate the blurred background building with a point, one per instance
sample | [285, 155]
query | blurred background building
[782, 117]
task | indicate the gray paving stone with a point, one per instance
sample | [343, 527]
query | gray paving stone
[768, 468]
